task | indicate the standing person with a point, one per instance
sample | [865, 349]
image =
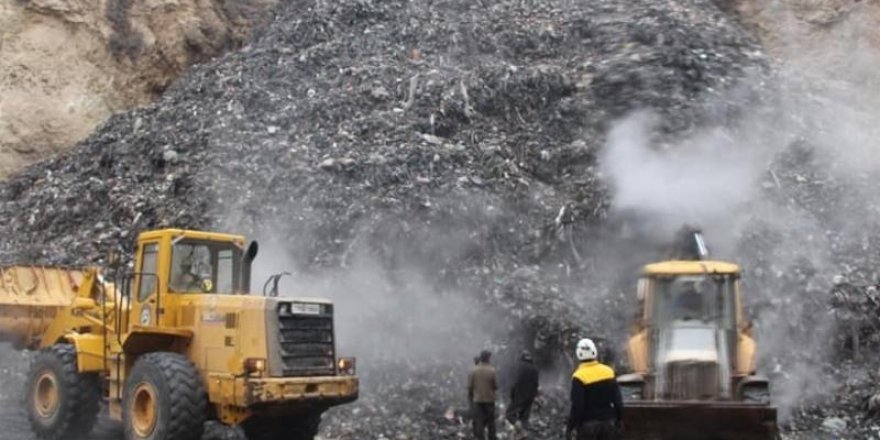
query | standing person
[596, 403]
[522, 394]
[481, 392]
[471, 411]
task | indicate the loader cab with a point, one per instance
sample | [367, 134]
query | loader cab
[176, 261]
[682, 291]
[692, 297]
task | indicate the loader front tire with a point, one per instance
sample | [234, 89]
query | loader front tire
[164, 399]
[61, 403]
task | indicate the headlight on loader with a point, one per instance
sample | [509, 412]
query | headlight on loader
[346, 366]
[254, 365]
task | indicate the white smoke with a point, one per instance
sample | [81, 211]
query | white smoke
[707, 179]
[386, 317]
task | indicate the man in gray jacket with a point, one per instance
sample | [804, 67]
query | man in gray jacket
[482, 386]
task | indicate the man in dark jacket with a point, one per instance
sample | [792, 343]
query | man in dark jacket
[482, 386]
[522, 394]
[596, 403]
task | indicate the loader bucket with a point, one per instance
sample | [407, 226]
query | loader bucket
[31, 297]
[698, 421]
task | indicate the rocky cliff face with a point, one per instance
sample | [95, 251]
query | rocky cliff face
[67, 65]
[790, 26]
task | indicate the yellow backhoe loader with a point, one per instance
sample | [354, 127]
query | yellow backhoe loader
[692, 354]
[172, 344]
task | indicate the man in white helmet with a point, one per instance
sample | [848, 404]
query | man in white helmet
[596, 403]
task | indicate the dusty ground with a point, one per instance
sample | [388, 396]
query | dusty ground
[65, 66]
[15, 426]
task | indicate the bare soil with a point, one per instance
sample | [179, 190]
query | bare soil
[66, 66]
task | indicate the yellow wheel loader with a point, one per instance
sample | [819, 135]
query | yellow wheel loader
[693, 357]
[172, 344]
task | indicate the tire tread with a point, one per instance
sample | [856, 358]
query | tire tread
[187, 400]
[79, 405]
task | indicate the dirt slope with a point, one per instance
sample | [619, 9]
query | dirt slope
[793, 28]
[65, 66]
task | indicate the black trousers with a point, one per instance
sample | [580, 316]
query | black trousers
[484, 420]
[520, 412]
[597, 430]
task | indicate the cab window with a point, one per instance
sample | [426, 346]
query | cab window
[225, 269]
[199, 266]
[148, 271]
[709, 299]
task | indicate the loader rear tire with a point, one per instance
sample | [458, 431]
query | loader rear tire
[61, 403]
[164, 399]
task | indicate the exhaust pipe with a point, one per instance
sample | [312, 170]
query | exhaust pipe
[690, 244]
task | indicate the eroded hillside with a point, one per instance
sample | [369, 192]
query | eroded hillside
[65, 66]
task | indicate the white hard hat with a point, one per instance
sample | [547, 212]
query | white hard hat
[586, 350]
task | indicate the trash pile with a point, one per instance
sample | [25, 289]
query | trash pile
[411, 408]
[455, 141]
[360, 117]
[814, 271]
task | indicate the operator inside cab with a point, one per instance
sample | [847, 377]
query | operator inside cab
[689, 302]
[206, 266]
[183, 279]
[695, 299]
[191, 269]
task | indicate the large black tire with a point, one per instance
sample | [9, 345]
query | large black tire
[215, 430]
[168, 386]
[61, 403]
[300, 427]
